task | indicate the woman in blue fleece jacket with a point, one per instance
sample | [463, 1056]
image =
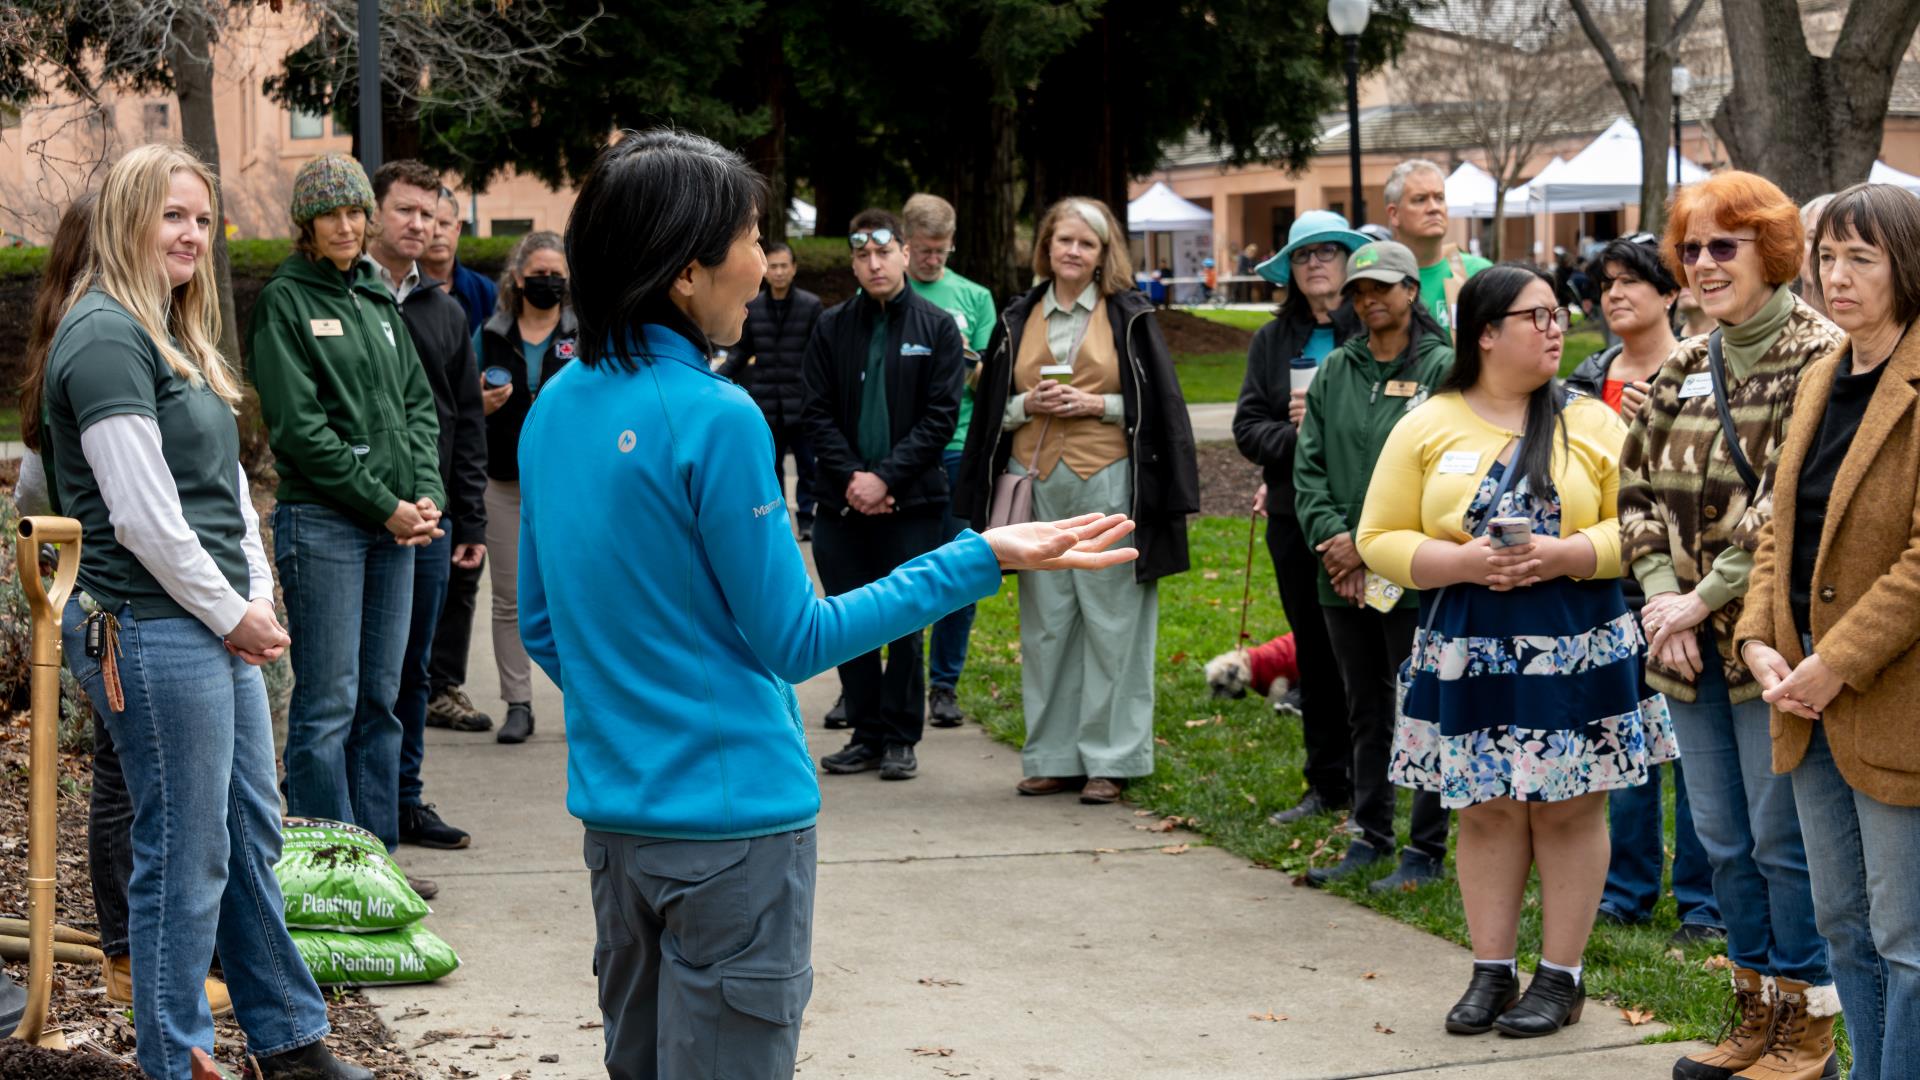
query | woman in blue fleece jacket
[686, 758]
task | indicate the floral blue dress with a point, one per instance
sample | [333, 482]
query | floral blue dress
[1531, 694]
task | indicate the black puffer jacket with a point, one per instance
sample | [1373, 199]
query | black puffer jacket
[770, 356]
[1261, 428]
[438, 325]
[1589, 380]
[1166, 477]
[500, 336]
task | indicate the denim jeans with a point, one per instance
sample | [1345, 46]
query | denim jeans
[432, 565]
[349, 591]
[1639, 853]
[1864, 855]
[196, 749]
[947, 642]
[1748, 824]
[109, 840]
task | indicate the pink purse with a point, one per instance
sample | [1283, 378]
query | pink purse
[1013, 495]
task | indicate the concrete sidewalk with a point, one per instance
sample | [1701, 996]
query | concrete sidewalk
[963, 931]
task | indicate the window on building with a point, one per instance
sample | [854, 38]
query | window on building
[155, 121]
[305, 125]
[512, 226]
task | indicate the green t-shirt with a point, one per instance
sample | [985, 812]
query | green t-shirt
[102, 365]
[971, 306]
[1433, 286]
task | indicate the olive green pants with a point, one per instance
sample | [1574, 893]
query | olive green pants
[1086, 646]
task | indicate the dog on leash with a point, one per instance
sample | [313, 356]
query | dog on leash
[1271, 669]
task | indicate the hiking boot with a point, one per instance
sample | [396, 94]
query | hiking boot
[898, 763]
[424, 889]
[837, 716]
[118, 973]
[421, 826]
[1800, 1042]
[1554, 999]
[1415, 869]
[856, 757]
[1359, 856]
[1312, 804]
[944, 707]
[1743, 1037]
[310, 1062]
[452, 709]
[518, 727]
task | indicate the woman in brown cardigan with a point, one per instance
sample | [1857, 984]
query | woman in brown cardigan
[1832, 612]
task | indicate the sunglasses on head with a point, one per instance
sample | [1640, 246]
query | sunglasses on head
[1722, 248]
[1642, 238]
[881, 237]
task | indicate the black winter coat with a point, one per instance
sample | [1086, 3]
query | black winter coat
[437, 322]
[771, 355]
[500, 336]
[924, 368]
[1166, 477]
[1261, 428]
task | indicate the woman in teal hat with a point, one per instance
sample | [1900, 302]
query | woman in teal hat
[1311, 322]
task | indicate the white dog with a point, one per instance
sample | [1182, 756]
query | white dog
[1271, 668]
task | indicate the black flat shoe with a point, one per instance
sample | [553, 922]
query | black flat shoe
[1552, 1001]
[310, 1062]
[1493, 991]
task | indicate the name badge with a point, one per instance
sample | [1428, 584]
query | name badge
[1459, 463]
[1699, 384]
[1402, 388]
[326, 327]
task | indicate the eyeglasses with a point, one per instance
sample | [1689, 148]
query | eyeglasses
[1542, 316]
[881, 237]
[934, 252]
[1325, 253]
[1722, 248]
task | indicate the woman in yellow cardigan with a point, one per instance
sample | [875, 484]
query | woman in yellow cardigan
[1521, 704]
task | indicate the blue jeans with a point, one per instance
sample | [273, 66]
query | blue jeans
[1866, 890]
[1747, 822]
[349, 591]
[1639, 850]
[432, 567]
[196, 750]
[947, 643]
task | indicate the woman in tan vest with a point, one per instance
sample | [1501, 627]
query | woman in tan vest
[1078, 389]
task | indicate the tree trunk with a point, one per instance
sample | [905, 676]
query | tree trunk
[985, 200]
[1655, 119]
[1498, 242]
[768, 153]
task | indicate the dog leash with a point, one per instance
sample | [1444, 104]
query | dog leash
[1246, 590]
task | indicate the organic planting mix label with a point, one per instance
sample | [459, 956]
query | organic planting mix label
[408, 955]
[339, 877]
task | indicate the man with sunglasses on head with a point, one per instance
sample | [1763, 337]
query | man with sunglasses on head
[1416, 197]
[883, 374]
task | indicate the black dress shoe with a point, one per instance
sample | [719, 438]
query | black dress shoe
[1312, 804]
[854, 758]
[1552, 1001]
[837, 716]
[1493, 991]
[1359, 856]
[898, 763]
[310, 1062]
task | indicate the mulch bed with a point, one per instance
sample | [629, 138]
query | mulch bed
[1189, 334]
[1227, 480]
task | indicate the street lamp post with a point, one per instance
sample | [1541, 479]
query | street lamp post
[368, 22]
[1349, 20]
[1682, 82]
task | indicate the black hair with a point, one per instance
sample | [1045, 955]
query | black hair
[1419, 319]
[1484, 300]
[875, 218]
[776, 248]
[654, 202]
[1642, 260]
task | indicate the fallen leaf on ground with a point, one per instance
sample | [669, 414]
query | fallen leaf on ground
[1382, 1028]
[1295, 846]
[1636, 1017]
[933, 1051]
[590, 1025]
[1143, 813]
[1164, 825]
[1717, 962]
[941, 982]
[1676, 954]
[1270, 1016]
[1177, 658]
[1210, 575]
[1106, 851]
[1198, 723]
[1177, 849]
[1371, 975]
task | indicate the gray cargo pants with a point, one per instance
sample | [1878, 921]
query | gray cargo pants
[703, 950]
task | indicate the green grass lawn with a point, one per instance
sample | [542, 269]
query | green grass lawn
[1216, 377]
[9, 423]
[1223, 766]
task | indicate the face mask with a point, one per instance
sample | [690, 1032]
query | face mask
[544, 291]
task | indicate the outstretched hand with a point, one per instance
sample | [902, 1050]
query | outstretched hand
[1080, 543]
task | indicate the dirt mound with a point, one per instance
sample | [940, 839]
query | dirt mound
[1192, 334]
[22, 1061]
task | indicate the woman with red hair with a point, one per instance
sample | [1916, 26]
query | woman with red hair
[1695, 498]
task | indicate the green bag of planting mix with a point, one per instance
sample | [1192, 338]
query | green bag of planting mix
[335, 876]
[411, 954]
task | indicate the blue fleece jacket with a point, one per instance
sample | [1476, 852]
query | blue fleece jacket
[661, 588]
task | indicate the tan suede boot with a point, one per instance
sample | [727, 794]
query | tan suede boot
[119, 979]
[1743, 1038]
[1800, 1043]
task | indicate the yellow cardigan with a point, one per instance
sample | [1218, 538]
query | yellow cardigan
[1411, 500]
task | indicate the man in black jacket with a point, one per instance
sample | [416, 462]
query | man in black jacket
[883, 376]
[767, 363]
[406, 194]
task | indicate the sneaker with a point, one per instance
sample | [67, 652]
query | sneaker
[1289, 703]
[519, 725]
[944, 707]
[424, 889]
[1415, 869]
[1360, 855]
[1693, 932]
[837, 716]
[422, 827]
[1312, 804]
[854, 758]
[898, 763]
[452, 709]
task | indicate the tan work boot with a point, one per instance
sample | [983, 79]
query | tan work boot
[119, 977]
[1800, 1043]
[1743, 1037]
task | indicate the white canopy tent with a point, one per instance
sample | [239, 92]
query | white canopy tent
[1603, 176]
[1471, 191]
[802, 218]
[1883, 173]
[1160, 210]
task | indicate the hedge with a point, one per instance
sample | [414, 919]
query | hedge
[256, 258]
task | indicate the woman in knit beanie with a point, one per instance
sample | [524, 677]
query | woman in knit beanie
[332, 202]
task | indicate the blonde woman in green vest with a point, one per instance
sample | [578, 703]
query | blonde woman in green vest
[1078, 389]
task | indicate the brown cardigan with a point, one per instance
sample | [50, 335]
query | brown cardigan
[1865, 616]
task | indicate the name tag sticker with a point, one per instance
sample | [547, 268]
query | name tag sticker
[1699, 384]
[1459, 463]
[326, 327]
[1402, 388]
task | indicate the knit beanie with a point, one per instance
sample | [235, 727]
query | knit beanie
[327, 183]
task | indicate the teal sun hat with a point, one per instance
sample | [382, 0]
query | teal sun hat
[1312, 227]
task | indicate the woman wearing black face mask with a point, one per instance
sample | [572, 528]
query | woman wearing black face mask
[529, 337]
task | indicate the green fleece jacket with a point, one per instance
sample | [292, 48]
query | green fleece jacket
[349, 412]
[1351, 408]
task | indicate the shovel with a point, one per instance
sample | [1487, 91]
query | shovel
[42, 794]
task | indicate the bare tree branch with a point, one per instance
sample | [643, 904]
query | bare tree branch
[1681, 25]
[1616, 71]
